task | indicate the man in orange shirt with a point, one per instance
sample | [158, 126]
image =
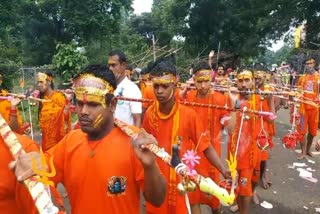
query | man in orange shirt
[9, 110]
[309, 83]
[53, 115]
[221, 78]
[247, 151]
[266, 104]
[212, 121]
[102, 169]
[146, 88]
[174, 124]
[14, 197]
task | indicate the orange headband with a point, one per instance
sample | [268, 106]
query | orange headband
[246, 74]
[203, 75]
[43, 77]
[162, 80]
[91, 88]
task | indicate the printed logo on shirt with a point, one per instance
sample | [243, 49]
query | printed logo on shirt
[117, 185]
[309, 86]
[120, 102]
[243, 181]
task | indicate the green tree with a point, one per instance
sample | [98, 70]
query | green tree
[68, 60]
[47, 23]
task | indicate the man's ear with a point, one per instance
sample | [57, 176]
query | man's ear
[124, 64]
[113, 104]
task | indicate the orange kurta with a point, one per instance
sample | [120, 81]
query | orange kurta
[181, 124]
[14, 197]
[309, 114]
[5, 107]
[211, 121]
[52, 120]
[247, 155]
[91, 180]
[269, 126]
[148, 93]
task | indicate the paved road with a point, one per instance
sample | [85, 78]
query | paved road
[289, 193]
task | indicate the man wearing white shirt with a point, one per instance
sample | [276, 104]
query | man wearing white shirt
[129, 112]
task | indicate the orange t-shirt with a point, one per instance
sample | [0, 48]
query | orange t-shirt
[189, 131]
[270, 127]
[52, 120]
[148, 94]
[108, 182]
[211, 120]
[14, 197]
[309, 83]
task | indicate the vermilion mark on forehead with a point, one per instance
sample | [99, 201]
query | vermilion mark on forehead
[84, 98]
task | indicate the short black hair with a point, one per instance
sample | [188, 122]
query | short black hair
[221, 65]
[130, 67]
[260, 67]
[120, 54]
[163, 68]
[202, 65]
[245, 68]
[102, 72]
[144, 71]
[310, 58]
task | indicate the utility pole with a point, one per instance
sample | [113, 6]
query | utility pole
[154, 48]
[218, 54]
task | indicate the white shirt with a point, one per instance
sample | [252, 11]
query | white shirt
[125, 109]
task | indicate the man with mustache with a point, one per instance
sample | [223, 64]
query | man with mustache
[129, 112]
[53, 115]
[309, 83]
[173, 124]
[102, 169]
[267, 104]
[247, 152]
[212, 121]
[221, 78]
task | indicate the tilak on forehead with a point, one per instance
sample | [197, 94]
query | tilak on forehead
[43, 77]
[203, 75]
[246, 74]
[89, 88]
[111, 62]
[165, 78]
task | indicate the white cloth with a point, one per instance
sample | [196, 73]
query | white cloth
[125, 109]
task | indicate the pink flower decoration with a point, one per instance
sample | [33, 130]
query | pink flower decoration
[191, 159]
[272, 116]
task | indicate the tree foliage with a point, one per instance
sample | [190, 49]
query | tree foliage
[68, 60]
[241, 27]
[30, 30]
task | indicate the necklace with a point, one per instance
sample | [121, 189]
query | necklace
[92, 149]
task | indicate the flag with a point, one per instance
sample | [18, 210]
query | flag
[297, 37]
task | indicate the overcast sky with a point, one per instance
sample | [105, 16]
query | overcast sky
[141, 6]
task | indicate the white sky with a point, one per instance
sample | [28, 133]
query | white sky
[277, 45]
[141, 6]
